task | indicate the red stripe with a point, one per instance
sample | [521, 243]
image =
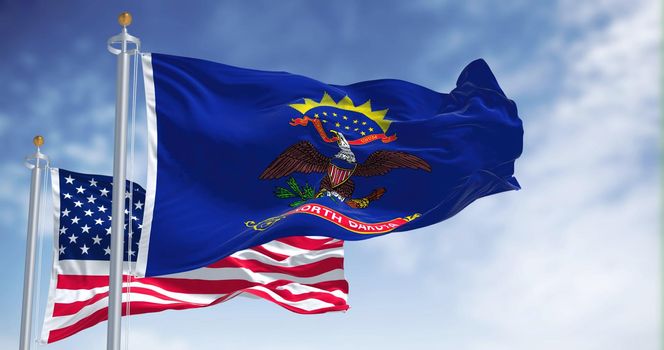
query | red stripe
[334, 176]
[322, 296]
[138, 308]
[270, 254]
[308, 270]
[179, 285]
[64, 309]
[228, 287]
[266, 296]
[311, 244]
[330, 286]
[102, 315]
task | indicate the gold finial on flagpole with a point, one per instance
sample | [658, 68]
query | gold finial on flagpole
[38, 141]
[124, 19]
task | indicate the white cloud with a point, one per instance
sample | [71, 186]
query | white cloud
[4, 124]
[572, 260]
[147, 339]
[7, 342]
[94, 152]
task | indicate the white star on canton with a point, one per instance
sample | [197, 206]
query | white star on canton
[99, 221]
[131, 252]
[107, 251]
[84, 249]
[88, 212]
[126, 212]
[102, 209]
[69, 179]
[108, 231]
[75, 220]
[140, 226]
[110, 218]
[80, 189]
[62, 249]
[104, 192]
[72, 238]
[96, 239]
[93, 182]
[138, 205]
[86, 228]
[127, 195]
[63, 230]
[66, 212]
[78, 204]
[67, 196]
[134, 218]
[91, 199]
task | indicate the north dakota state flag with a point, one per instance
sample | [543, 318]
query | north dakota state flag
[240, 157]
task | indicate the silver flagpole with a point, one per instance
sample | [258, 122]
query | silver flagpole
[123, 40]
[37, 162]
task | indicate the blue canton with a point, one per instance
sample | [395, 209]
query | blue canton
[85, 217]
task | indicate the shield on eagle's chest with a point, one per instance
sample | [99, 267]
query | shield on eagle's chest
[338, 175]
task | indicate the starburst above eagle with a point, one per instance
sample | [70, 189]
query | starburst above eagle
[339, 170]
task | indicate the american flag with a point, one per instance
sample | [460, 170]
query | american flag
[302, 274]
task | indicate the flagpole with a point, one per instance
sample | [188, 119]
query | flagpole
[113, 339]
[37, 162]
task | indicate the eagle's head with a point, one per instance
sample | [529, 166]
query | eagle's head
[344, 153]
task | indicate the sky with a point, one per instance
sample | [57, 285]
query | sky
[572, 261]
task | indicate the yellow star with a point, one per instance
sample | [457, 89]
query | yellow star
[363, 133]
[345, 118]
[316, 115]
[334, 114]
[364, 123]
[347, 128]
[337, 125]
[354, 121]
[370, 129]
[356, 129]
[324, 113]
[324, 121]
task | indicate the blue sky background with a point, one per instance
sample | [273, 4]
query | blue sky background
[569, 262]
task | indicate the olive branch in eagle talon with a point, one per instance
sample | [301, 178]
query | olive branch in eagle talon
[302, 194]
[337, 182]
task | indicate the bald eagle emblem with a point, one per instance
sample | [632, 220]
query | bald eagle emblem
[337, 181]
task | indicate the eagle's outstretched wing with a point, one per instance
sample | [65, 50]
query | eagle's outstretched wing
[301, 157]
[381, 162]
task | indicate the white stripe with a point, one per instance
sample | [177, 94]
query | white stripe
[235, 273]
[66, 296]
[50, 303]
[321, 238]
[54, 323]
[85, 267]
[285, 249]
[150, 190]
[101, 267]
[296, 260]
[298, 289]
[306, 304]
